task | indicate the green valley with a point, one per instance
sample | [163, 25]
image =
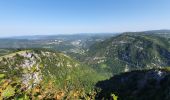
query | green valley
[127, 66]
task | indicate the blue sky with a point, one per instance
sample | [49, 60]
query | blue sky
[34, 17]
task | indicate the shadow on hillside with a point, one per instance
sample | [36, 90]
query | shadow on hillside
[108, 87]
[136, 85]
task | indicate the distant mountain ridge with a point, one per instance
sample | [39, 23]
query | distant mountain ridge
[158, 31]
[53, 36]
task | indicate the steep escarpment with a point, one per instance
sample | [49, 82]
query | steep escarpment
[130, 51]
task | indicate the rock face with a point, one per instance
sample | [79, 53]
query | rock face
[137, 85]
[31, 66]
[130, 51]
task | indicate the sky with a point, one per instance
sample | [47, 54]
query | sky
[43, 17]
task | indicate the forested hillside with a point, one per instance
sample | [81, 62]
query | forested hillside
[130, 51]
[42, 74]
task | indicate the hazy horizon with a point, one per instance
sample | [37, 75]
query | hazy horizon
[53, 34]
